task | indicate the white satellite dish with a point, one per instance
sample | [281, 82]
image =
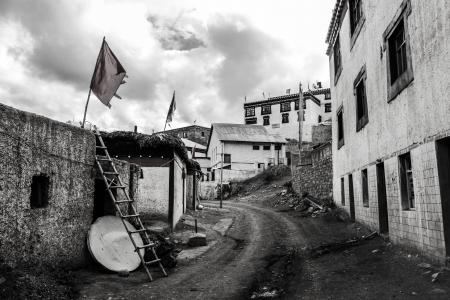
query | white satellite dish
[109, 244]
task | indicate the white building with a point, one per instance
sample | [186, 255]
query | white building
[390, 79]
[243, 150]
[279, 115]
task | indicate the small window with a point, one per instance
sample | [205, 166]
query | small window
[365, 188]
[396, 40]
[304, 104]
[255, 147]
[250, 112]
[266, 120]
[39, 191]
[277, 146]
[266, 147]
[342, 192]
[141, 174]
[327, 107]
[355, 7]
[213, 175]
[203, 134]
[340, 127]
[337, 59]
[227, 158]
[362, 117]
[250, 121]
[285, 118]
[297, 106]
[319, 119]
[406, 181]
[266, 109]
[327, 95]
[286, 106]
[276, 125]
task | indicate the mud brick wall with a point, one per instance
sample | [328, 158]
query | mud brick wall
[55, 234]
[315, 178]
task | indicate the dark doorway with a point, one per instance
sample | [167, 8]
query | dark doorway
[351, 197]
[382, 200]
[103, 205]
[443, 162]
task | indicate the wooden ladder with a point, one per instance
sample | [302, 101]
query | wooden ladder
[113, 182]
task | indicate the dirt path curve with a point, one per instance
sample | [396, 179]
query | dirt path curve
[259, 240]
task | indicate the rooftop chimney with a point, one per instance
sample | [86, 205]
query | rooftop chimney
[319, 84]
[135, 129]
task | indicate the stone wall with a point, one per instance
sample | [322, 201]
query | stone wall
[316, 177]
[55, 233]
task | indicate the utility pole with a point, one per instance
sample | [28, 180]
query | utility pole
[300, 122]
[221, 177]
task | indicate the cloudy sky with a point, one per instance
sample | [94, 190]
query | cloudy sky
[213, 53]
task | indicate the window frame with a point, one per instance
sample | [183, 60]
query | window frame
[337, 59]
[362, 121]
[266, 118]
[269, 110]
[402, 81]
[285, 108]
[340, 127]
[251, 110]
[407, 195]
[266, 147]
[365, 187]
[252, 120]
[355, 27]
[296, 105]
[285, 118]
[255, 147]
[328, 105]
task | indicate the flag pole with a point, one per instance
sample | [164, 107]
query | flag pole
[90, 86]
[85, 109]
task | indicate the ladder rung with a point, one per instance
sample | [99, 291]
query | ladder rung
[145, 246]
[110, 173]
[138, 230]
[103, 158]
[130, 216]
[123, 201]
[153, 261]
[117, 187]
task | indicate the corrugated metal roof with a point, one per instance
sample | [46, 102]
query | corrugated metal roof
[245, 133]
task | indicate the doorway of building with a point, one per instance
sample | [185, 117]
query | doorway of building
[351, 197]
[443, 162]
[383, 219]
[103, 205]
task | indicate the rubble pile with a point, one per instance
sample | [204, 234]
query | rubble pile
[306, 205]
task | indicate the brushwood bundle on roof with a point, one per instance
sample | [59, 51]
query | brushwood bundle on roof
[128, 143]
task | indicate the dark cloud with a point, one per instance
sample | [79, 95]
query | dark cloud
[172, 38]
[60, 50]
[249, 54]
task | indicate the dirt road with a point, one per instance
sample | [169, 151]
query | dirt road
[265, 254]
[260, 239]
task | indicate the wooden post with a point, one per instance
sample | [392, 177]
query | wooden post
[221, 178]
[300, 122]
[86, 107]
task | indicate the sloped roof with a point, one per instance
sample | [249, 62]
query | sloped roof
[188, 143]
[245, 133]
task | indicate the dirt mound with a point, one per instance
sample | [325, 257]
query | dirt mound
[274, 174]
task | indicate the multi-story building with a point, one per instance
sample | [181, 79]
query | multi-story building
[390, 80]
[195, 133]
[279, 115]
